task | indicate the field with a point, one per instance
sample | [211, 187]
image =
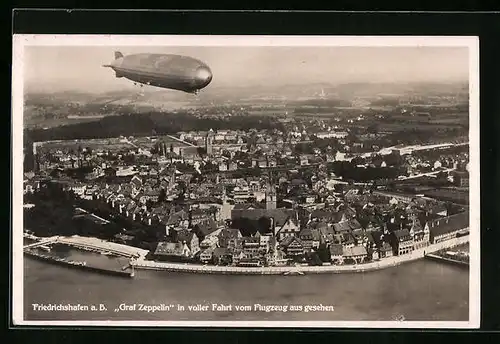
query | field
[94, 144]
[449, 195]
[402, 126]
[269, 112]
[455, 121]
[113, 144]
[40, 122]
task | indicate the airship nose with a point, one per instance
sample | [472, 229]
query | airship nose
[203, 76]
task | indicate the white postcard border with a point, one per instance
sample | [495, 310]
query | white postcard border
[20, 41]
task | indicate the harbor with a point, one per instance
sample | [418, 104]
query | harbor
[54, 250]
[82, 265]
[136, 259]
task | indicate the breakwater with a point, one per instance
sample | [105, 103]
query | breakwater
[76, 265]
[95, 244]
[234, 270]
[89, 244]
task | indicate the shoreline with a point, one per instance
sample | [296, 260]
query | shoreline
[298, 270]
[140, 263]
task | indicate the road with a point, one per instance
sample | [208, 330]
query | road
[92, 214]
[131, 143]
[179, 140]
[428, 174]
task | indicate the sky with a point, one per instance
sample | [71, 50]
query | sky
[60, 68]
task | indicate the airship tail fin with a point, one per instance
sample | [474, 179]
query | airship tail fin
[118, 55]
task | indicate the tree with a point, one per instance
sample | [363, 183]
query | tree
[324, 253]
[372, 129]
[264, 225]
[358, 160]
[247, 226]
[162, 196]
[313, 259]
[80, 149]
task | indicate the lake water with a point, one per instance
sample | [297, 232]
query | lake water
[421, 290]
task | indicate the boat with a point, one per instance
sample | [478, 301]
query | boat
[399, 317]
[293, 272]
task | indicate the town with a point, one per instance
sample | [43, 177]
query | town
[306, 190]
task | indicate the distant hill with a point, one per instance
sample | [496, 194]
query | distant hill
[236, 91]
[150, 123]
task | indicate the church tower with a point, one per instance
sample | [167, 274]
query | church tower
[226, 206]
[209, 140]
[271, 197]
[171, 181]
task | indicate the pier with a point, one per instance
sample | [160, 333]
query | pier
[86, 244]
[91, 244]
[51, 240]
[77, 265]
[440, 258]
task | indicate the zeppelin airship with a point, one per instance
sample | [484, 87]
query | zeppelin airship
[175, 72]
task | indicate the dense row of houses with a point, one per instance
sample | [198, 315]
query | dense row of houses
[230, 247]
[284, 234]
[217, 231]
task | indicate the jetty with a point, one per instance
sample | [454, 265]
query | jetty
[77, 265]
[91, 244]
[43, 242]
[449, 260]
[86, 244]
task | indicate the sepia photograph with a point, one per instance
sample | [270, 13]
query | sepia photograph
[236, 181]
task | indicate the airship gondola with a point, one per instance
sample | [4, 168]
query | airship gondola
[175, 72]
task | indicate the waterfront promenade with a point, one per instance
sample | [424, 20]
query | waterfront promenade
[280, 270]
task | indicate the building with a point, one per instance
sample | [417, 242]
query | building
[228, 234]
[205, 229]
[271, 198]
[207, 255]
[356, 254]
[221, 256]
[284, 222]
[293, 247]
[419, 233]
[209, 142]
[336, 253]
[332, 134]
[446, 228]
[310, 237]
[406, 198]
[172, 251]
[385, 250]
[403, 242]
[461, 178]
